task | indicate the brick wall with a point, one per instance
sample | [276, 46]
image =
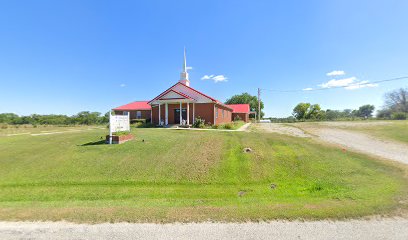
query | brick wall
[133, 114]
[244, 116]
[227, 115]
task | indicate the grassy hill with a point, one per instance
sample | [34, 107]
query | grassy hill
[190, 176]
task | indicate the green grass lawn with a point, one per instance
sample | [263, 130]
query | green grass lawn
[190, 176]
[395, 130]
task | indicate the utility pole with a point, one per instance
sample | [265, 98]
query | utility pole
[259, 104]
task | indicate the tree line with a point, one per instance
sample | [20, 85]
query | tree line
[395, 108]
[82, 118]
[307, 111]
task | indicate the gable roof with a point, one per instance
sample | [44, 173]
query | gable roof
[137, 105]
[173, 94]
[239, 108]
[196, 93]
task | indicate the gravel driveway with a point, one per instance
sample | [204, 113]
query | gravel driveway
[356, 141]
[355, 229]
[365, 143]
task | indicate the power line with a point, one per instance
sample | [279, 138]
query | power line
[329, 88]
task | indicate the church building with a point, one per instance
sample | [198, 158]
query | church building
[181, 104]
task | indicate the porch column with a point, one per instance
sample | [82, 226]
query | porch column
[166, 116]
[188, 113]
[159, 115]
[215, 116]
[193, 112]
[181, 115]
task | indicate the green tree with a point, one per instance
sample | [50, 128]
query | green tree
[87, 118]
[9, 118]
[397, 100]
[301, 110]
[304, 111]
[365, 111]
[314, 112]
[246, 98]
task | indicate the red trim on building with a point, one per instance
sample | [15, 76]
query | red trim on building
[179, 93]
[161, 94]
[239, 108]
[215, 100]
[137, 105]
[170, 89]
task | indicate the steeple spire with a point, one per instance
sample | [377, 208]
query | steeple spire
[185, 61]
[184, 74]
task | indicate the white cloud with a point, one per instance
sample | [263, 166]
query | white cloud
[338, 83]
[220, 78]
[122, 85]
[351, 83]
[189, 68]
[336, 73]
[362, 84]
[206, 77]
[215, 78]
[307, 89]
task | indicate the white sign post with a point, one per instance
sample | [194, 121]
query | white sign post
[118, 123]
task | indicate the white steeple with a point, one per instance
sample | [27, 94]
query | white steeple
[184, 74]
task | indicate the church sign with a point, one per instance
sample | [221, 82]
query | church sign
[118, 123]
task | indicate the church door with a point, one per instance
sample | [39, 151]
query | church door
[177, 115]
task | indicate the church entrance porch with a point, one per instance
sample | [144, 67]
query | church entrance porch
[177, 115]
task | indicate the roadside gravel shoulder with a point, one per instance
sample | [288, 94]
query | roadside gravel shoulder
[393, 228]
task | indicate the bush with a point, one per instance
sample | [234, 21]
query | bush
[237, 118]
[199, 123]
[228, 126]
[399, 116]
[3, 126]
[121, 133]
[138, 121]
[136, 125]
[143, 125]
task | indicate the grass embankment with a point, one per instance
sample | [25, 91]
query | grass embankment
[395, 130]
[189, 176]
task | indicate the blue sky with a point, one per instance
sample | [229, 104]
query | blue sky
[67, 56]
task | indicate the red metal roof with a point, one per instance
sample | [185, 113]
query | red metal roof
[239, 108]
[138, 105]
[170, 88]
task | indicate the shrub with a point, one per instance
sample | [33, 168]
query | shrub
[121, 133]
[399, 116]
[199, 123]
[237, 118]
[138, 121]
[228, 126]
[3, 126]
[136, 125]
[143, 125]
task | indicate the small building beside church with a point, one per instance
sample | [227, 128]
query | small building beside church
[137, 110]
[181, 104]
[240, 112]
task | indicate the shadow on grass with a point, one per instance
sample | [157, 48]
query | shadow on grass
[94, 143]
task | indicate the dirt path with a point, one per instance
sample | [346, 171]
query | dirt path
[281, 129]
[364, 143]
[354, 229]
[356, 141]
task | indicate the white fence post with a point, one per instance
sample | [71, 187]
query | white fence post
[110, 127]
